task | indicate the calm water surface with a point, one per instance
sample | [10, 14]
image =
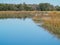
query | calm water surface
[24, 32]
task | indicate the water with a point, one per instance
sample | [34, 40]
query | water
[24, 32]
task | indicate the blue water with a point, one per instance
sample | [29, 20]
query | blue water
[24, 32]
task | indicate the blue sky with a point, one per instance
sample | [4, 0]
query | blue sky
[54, 2]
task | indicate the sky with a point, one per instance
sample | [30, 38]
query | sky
[54, 2]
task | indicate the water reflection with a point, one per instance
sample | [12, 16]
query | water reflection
[52, 28]
[24, 31]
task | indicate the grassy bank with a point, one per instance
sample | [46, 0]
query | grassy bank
[14, 14]
[18, 14]
[50, 22]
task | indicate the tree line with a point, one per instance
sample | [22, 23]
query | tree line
[29, 7]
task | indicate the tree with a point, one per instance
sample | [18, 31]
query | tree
[46, 7]
[6, 7]
[29, 7]
[19, 7]
[26, 7]
[57, 8]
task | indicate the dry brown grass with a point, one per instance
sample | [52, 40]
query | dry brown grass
[51, 22]
[30, 12]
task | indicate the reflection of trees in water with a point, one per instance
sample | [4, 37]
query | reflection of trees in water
[53, 28]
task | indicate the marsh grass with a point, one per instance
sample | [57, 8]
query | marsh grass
[15, 14]
[53, 26]
[51, 22]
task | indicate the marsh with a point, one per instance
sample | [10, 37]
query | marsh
[27, 29]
